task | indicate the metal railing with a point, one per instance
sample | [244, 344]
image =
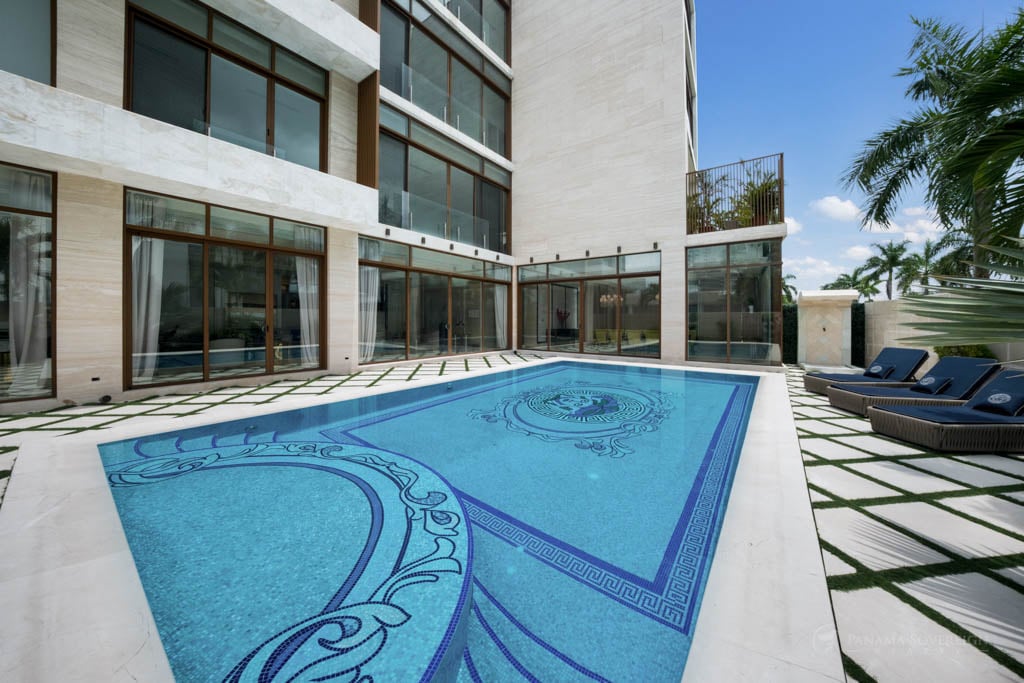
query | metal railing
[739, 195]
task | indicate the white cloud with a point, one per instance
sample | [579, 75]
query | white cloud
[836, 208]
[811, 272]
[793, 225]
[858, 252]
[915, 211]
[873, 226]
[917, 231]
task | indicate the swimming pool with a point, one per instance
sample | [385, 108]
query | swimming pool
[594, 495]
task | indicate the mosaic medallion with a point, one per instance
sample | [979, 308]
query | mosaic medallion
[594, 417]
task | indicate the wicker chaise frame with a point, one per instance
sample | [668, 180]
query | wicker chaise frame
[819, 385]
[858, 403]
[937, 436]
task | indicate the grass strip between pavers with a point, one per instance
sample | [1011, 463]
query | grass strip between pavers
[856, 671]
[419, 366]
[381, 376]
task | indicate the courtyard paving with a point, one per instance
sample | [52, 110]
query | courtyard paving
[924, 552]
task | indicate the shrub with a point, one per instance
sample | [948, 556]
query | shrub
[968, 350]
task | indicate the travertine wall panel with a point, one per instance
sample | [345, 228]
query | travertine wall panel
[887, 323]
[824, 327]
[342, 299]
[90, 48]
[342, 120]
[89, 288]
[599, 126]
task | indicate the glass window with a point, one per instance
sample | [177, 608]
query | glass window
[494, 120]
[239, 225]
[238, 104]
[428, 193]
[497, 174]
[641, 316]
[165, 213]
[167, 310]
[428, 315]
[394, 120]
[21, 188]
[707, 316]
[168, 78]
[496, 76]
[25, 39]
[391, 197]
[494, 324]
[467, 90]
[300, 71]
[467, 335]
[184, 13]
[497, 272]
[296, 312]
[428, 74]
[296, 127]
[538, 272]
[491, 204]
[298, 235]
[565, 316]
[463, 223]
[383, 252]
[238, 311]
[241, 41]
[394, 54]
[448, 263]
[582, 267]
[495, 18]
[533, 302]
[382, 328]
[754, 252]
[640, 263]
[703, 257]
[443, 146]
[601, 303]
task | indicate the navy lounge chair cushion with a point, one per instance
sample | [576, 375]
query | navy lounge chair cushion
[905, 363]
[1004, 395]
[932, 384]
[880, 371]
[952, 415]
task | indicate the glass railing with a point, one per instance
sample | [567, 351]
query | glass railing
[410, 211]
[493, 36]
[466, 117]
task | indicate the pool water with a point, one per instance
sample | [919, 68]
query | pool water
[555, 522]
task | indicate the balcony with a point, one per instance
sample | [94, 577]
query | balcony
[411, 211]
[740, 195]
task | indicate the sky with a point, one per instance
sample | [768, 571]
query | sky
[814, 79]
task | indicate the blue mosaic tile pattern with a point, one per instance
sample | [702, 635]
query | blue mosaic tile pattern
[397, 609]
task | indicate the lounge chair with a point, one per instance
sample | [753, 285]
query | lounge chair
[950, 383]
[992, 421]
[892, 365]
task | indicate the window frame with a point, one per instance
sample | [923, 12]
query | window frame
[134, 13]
[206, 241]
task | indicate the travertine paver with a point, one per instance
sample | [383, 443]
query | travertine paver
[812, 412]
[949, 530]
[871, 542]
[964, 473]
[1002, 463]
[894, 643]
[1013, 574]
[819, 427]
[830, 449]
[853, 424]
[879, 446]
[835, 566]
[990, 610]
[846, 484]
[904, 477]
[995, 511]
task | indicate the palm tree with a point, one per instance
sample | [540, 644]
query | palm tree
[789, 292]
[964, 141]
[919, 267]
[888, 261]
[862, 279]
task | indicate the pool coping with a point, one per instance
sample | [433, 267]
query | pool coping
[74, 607]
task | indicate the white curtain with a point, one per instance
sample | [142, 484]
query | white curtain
[307, 271]
[589, 313]
[501, 315]
[147, 285]
[29, 285]
[369, 294]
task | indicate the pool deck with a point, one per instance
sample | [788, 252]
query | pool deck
[918, 558]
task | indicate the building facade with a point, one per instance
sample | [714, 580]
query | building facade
[200, 193]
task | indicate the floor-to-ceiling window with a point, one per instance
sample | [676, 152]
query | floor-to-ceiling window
[735, 302]
[216, 292]
[606, 305]
[195, 68]
[424, 61]
[487, 19]
[418, 303]
[435, 187]
[26, 38]
[27, 206]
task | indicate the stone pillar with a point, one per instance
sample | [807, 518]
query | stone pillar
[825, 327]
